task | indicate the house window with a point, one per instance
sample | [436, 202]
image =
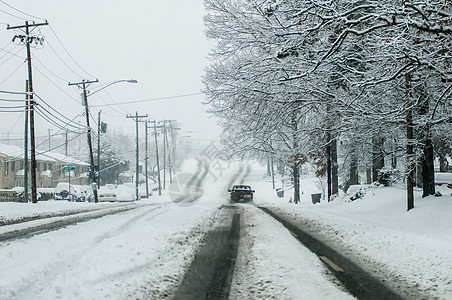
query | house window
[21, 164]
[13, 166]
[6, 168]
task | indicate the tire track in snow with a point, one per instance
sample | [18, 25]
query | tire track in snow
[245, 176]
[43, 225]
[357, 281]
[210, 273]
[192, 189]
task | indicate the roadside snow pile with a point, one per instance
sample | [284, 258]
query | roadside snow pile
[356, 192]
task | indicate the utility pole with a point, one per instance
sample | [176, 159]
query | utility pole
[169, 159]
[98, 147]
[49, 139]
[27, 39]
[65, 144]
[26, 144]
[83, 85]
[157, 155]
[172, 130]
[146, 157]
[164, 154]
[137, 120]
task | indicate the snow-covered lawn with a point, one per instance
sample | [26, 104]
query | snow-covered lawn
[144, 252]
[411, 250]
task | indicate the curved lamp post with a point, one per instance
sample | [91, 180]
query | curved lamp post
[111, 83]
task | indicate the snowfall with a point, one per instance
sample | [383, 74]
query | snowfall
[143, 253]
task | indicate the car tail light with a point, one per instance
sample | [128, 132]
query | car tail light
[101, 196]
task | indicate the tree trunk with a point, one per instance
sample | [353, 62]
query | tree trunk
[296, 182]
[334, 165]
[353, 178]
[328, 166]
[368, 175]
[273, 171]
[428, 171]
[378, 161]
[443, 165]
[394, 155]
[409, 147]
[427, 159]
[269, 171]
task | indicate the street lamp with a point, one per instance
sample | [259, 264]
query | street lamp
[111, 83]
[83, 85]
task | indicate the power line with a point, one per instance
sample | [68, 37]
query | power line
[51, 72]
[51, 28]
[14, 93]
[104, 101]
[59, 57]
[12, 55]
[14, 72]
[10, 14]
[68, 119]
[150, 100]
[56, 85]
[45, 113]
[14, 125]
[18, 10]
[10, 100]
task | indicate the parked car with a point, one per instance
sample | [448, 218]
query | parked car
[62, 191]
[79, 192]
[241, 193]
[125, 194]
[104, 194]
[46, 194]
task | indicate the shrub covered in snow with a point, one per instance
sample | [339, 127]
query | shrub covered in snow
[387, 176]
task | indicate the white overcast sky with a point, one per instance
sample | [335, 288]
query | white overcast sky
[160, 43]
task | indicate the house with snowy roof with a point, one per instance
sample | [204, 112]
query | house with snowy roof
[49, 168]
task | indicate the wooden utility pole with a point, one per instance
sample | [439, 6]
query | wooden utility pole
[157, 155]
[26, 144]
[83, 85]
[65, 144]
[98, 147]
[146, 157]
[27, 39]
[49, 139]
[164, 154]
[171, 153]
[137, 165]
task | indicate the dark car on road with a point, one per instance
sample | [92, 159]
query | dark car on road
[241, 193]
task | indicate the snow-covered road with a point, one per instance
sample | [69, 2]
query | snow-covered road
[144, 253]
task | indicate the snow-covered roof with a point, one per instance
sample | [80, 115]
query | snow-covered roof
[64, 159]
[47, 173]
[17, 153]
[12, 151]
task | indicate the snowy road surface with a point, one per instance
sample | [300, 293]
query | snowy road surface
[146, 252]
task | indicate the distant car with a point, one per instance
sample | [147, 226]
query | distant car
[79, 192]
[241, 193]
[124, 194]
[62, 191]
[104, 194]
